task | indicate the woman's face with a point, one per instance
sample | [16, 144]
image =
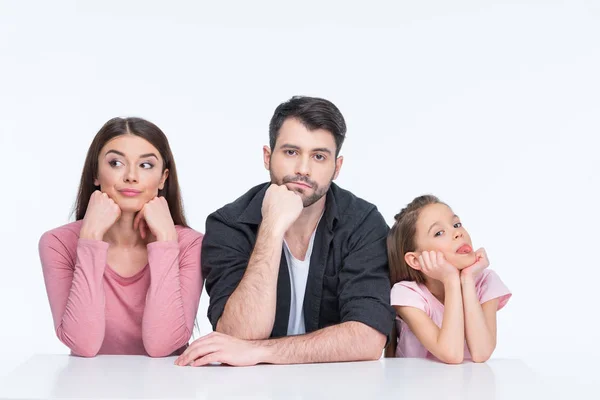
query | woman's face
[130, 171]
[439, 229]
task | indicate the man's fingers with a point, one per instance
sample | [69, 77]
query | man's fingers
[207, 359]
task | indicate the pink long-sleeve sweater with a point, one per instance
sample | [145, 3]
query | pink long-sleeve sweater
[97, 311]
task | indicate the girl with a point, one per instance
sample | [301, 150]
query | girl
[442, 292]
[125, 278]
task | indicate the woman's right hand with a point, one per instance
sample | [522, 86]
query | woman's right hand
[102, 212]
[434, 265]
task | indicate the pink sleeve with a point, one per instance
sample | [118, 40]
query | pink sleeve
[75, 291]
[173, 295]
[408, 294]
[490, 287]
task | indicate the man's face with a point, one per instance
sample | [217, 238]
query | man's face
[303, 160]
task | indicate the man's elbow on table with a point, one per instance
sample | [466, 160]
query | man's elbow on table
[373, 343]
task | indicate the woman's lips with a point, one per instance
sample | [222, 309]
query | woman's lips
[129, 192]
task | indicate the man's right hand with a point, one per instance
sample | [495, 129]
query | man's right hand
[102, 212]
[281, 207]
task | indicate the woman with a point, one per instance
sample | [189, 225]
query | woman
[125, 278]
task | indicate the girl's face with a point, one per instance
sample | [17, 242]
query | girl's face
[130, 172]
[439, 229]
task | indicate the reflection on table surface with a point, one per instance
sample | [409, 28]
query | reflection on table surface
[137, 377]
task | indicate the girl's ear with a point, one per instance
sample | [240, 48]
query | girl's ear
[412, 259]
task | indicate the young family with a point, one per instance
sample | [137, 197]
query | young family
[298, 270]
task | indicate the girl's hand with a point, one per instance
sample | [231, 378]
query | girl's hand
[102, 212]
[434, 265]
[479, 265]
[156, 216]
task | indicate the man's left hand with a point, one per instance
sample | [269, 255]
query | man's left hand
[220, 348]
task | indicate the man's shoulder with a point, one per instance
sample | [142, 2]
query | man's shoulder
[231, 212]
[352, 209]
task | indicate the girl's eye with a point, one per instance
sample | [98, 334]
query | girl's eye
[439, 233]
[457, 225]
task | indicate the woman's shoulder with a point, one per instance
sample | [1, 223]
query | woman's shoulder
[187, 235]
[65, 233]
[60, 241]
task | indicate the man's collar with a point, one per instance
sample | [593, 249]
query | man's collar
[253, 213]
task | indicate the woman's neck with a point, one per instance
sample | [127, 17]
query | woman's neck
[122, 234]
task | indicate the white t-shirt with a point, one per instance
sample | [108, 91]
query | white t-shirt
[298, 276]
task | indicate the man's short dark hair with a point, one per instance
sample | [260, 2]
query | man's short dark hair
[314, 113]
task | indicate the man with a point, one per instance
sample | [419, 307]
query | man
[296, 270]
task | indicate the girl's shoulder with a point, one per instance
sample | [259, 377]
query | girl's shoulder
[409, 293]
[489, 286]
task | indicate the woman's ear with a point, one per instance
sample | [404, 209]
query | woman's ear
[412, 259]
[165, 175]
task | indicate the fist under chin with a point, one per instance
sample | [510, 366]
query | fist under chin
[462, 261]
[130, 205]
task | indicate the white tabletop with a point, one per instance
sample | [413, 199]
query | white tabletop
[137, 377]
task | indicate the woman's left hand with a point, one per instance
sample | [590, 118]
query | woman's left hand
[156, 217]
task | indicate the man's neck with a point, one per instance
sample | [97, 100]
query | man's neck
[303, 228]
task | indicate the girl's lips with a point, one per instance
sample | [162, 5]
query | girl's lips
[464, 249]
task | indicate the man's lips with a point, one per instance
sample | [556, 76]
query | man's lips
[464, 249]
[303, 184]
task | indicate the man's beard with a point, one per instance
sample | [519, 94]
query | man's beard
[307, 201]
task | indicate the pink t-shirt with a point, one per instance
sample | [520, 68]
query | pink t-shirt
[488, 285]
[97, 311]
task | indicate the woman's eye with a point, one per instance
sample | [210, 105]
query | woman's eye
[147, 165]
[115, 163]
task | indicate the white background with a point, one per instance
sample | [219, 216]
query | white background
[492, 106]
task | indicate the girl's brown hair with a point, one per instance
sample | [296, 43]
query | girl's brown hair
[401, 240]
[146, 130]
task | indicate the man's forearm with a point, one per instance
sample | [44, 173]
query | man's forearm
[250, 310]
[348, 341]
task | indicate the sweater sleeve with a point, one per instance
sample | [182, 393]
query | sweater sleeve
[174, 293]
[75, 291]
